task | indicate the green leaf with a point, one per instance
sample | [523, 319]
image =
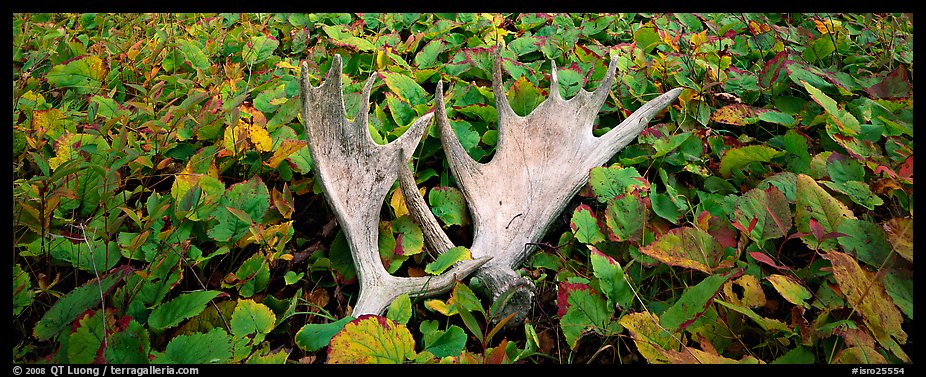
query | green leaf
[194, 54]
[184, 306]
[777, 117]
[258, 48]
[427, 56]
[400, 310]
[799, 355]
[449, 342]
[250, 196]
[865, 240]
[340, 37]
[22, 290]
[255, 272]
[83, 74]
[771, 210]
[900, 288]
[412, 238]
[694, 302]
[858, 192]
[447, 259]
[737, 158]
[315, 336]
[646, 38]
[251, 317]
[291, 277]
[78, 253]
[448, 204]
[665, 207]
[405, 87]
[665, 145]
[842, 169]
[625, 217]
[847, 123]
[585, 226]
[587, 312]
[372, 339]
[611, 182]
[813, 202]
[524, 96]
[611, 275]
[213, 347]
[130, 346]
[85, 341]
[78, 300]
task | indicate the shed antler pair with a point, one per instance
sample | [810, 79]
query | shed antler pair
[541, 161]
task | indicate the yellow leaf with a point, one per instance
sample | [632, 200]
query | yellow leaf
[260, 138]
[753, 295]
[372, 339]
[287, 65]
[869, 298]
[651, 339]
[691, 355]
[397, 202]
[286, 148]
[790, 288]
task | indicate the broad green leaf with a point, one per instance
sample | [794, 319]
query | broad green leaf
[869, 298]
[250, 196]
[255, 273]
[86, 339]
[737, 158]
[611, 182]
[524, 96]
[258, 48]
[405, 87]
[646, 38]
[208, 319]
[372, 339]
[410, 239]
[64, 311]
[187, 305]
[129, 346]
[22, 290]
[625, 217]
[447, 259]
[791, 289]
[340, 37]
[587, 312]
[694, 302]
[279, 356]
[83, 74]
[858, 192]
[799, 355]
[664, 207]
[771, 209]
[291, 277]
[611, 275]
[427, 56]
[900, 288]
[664, 145]
[847, 123]
[687, 247]
[442, 343]
[864, 240]
[798, 159]
[213, 347]
[813, 202]
[842, 169]
[584, 225]
[400, 310]
[777, 117]
[194, 54]
[251, 317]
[342, 262]
[448, 204]
[315, 336]
[649, 336]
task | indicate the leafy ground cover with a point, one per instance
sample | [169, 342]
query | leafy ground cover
[164, 207]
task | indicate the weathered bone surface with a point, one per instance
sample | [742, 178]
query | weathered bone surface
[541, 161]
[356, 174]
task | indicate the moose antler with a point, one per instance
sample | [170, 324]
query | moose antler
[356, 173]
[541, 161]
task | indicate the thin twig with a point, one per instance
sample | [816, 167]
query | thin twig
[99, 286]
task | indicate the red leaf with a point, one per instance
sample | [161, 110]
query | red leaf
[562, 295]
[761, 257]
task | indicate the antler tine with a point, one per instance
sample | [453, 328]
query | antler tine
[554, 81]
[463, 167]
[626, 131]
[434, 236]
